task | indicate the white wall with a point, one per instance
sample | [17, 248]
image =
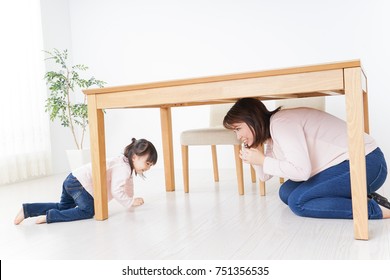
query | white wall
[56, 32]
[126, 42]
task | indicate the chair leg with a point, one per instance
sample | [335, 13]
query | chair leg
[215, 162]
[262, 188]
[253, 174]
[184, 156]
[239, 170]
[261, 183]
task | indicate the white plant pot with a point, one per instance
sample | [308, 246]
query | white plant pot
[77, 158]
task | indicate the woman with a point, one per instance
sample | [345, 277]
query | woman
[310, 148]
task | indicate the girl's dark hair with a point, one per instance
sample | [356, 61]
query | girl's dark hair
[140, 147]
[254, 113]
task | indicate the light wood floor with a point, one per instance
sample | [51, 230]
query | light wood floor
[211, 222]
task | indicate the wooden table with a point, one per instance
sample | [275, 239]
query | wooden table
[307, 81]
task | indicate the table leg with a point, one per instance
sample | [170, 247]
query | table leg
[355, 121]
[166, 133]
[98, 158]
[366, 118]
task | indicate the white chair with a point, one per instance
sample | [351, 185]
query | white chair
[312, 102]
[212, 136]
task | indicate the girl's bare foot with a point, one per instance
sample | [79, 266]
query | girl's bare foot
[19, 217]
[41, 220]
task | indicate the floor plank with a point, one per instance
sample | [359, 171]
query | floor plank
[211, 222]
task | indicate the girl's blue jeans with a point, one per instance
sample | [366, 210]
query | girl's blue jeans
[75, 204]
[328, 193]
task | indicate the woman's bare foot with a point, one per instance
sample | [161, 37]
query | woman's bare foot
[41, 220]
[19, 217]
[385, 212]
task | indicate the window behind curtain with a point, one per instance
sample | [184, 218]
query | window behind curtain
[24, 125]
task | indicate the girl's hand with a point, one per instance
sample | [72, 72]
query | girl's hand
[138, 201]
[252, 156]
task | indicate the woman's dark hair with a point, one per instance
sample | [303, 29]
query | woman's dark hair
[140, 147]
[254, 113]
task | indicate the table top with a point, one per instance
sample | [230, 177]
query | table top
[293, 82]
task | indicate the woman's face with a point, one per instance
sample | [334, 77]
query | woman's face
[141, 164]
[244, 133]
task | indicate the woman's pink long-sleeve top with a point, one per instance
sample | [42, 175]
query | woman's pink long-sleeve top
[119, 180]
[304, 142]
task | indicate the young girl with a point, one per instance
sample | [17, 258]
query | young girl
[77, 190]
[310, 148]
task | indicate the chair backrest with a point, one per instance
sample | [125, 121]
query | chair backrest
[217, 113]
[312, 102]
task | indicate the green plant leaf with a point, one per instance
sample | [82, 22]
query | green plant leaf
[64, 84]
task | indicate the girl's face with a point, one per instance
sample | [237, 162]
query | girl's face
[140, 164]
[243, 133]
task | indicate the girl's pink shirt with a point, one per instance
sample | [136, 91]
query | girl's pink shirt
[304, 142]
[119, 180]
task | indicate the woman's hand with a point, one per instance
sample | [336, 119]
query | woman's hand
[252, 156]
[138, 201]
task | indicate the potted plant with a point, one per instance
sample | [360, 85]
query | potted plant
[64, 104]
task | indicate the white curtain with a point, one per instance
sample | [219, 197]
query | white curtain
[24, 125]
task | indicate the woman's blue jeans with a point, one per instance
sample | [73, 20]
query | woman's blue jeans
[328, 193]
[75, 204]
